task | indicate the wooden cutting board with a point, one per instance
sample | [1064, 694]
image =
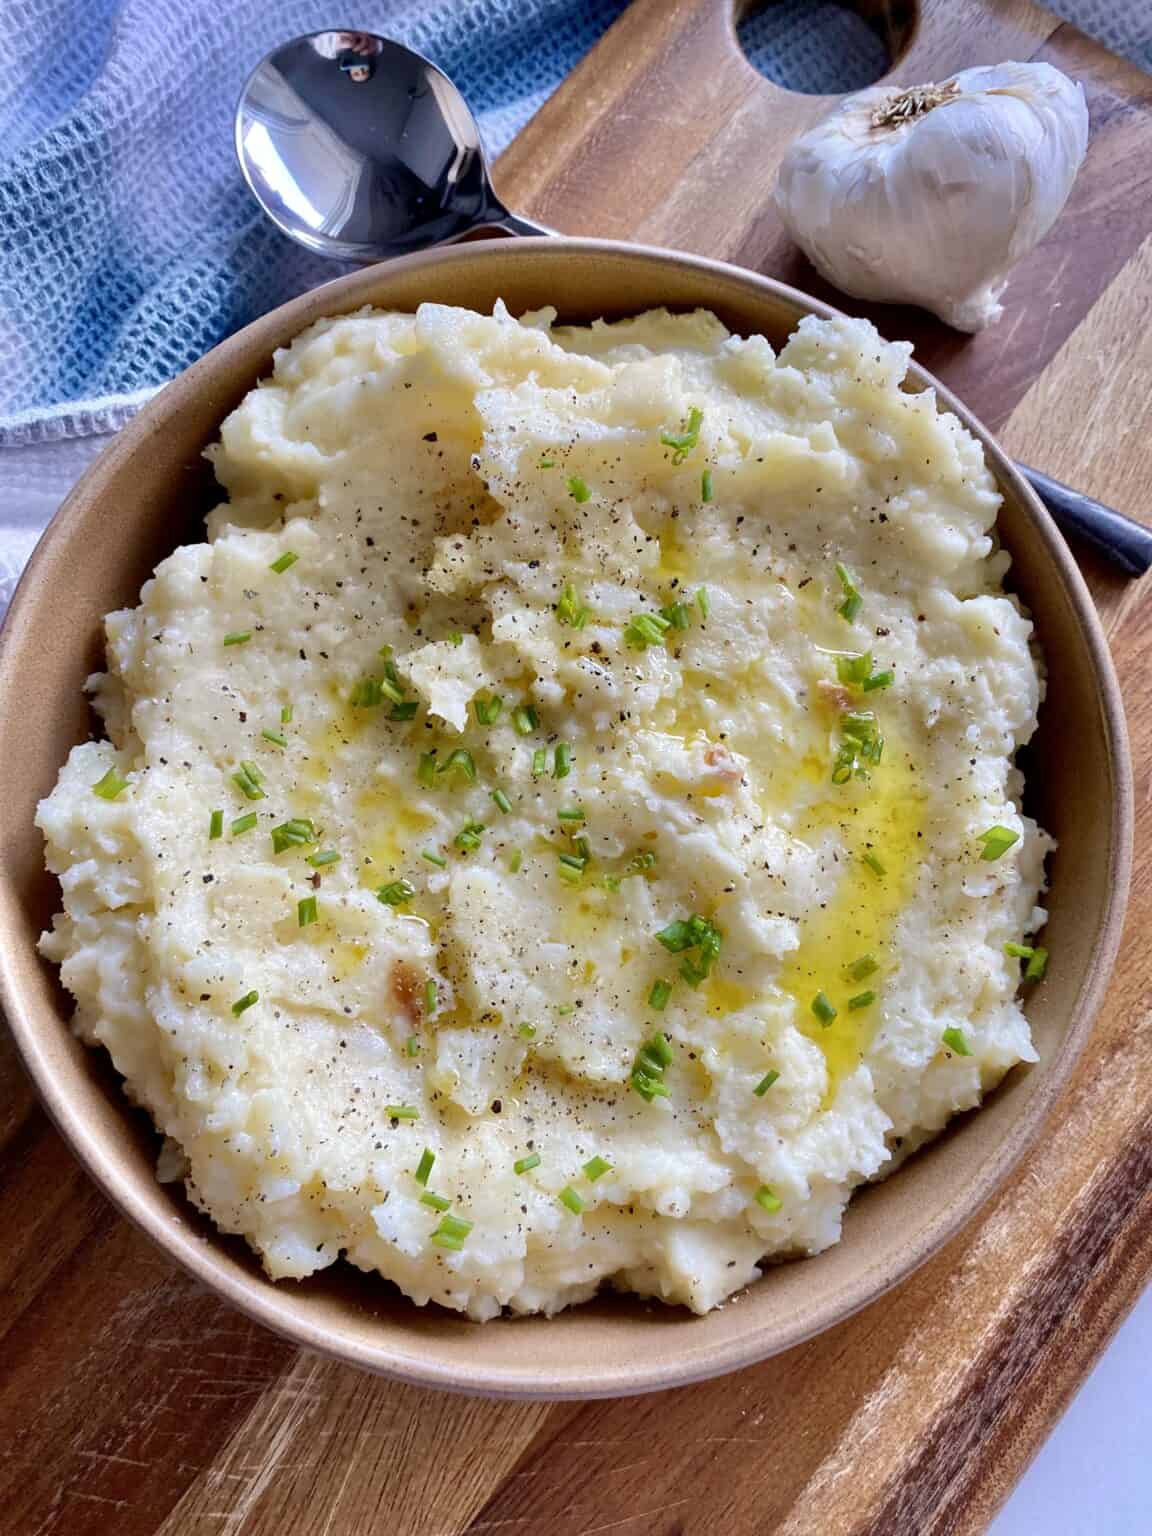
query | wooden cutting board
[133, 1403]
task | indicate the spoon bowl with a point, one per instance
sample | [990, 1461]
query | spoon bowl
[360, 149]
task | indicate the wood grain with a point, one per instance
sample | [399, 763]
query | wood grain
[133, 1403]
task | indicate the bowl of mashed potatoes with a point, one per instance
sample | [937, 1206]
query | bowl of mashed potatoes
[580, 791]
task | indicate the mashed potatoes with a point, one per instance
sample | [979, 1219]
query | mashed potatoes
[562, 827]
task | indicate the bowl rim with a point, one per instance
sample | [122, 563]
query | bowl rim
[260, 1298]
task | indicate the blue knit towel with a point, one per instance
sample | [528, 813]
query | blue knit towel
[129, 244]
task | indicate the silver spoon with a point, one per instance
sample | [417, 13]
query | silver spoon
[360, 149]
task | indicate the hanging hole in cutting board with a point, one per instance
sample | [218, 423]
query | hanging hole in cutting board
[824, 47]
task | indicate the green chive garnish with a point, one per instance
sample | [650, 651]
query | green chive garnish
[861, 747]
[570, 609]
[488, 710]
[646, 629]
[876, 865]
[461, 761]
[765, 1083]
[861, 1000]
[854, 670]
[767, 1201]
[437, 1202]
[424, 1166]
[861, 969]
[431, 999]
[306, 911]
[515, 859]
[285, 562]
[247, 780]
[238, 637]
[245, 1002]
[562, 761]
[659, 995]
[539, 762]
[412, 1046]
[682, 443]
[823, 1009]
[577, 489]
[564, 1009]
[595, 1168]
[435, 858]
[501, 800]
[469, 835]
[286, 714]
[879, 680]
[401, 1111]
[524, 719]
[693, 933]
[706, 486]
[275, 737]
[546, 464]
[321, 860]
[451, 1232]
[955, 1041]
[702, 602]
[426, 770]
[1019, 951]
[396, 893]
[110, 786]
[569, 1198]
[526, 1164]
[527, 1031]
[1037, 965]
[997, 841]
[853, 602]
[296, 833]
[216, 825]
[677, 615]
[406, 710]
[571, 813]
[456, 637]
[243, 824]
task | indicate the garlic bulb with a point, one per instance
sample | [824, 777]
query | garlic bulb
[930, 195]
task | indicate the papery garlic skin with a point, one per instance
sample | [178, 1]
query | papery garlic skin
[935, 210]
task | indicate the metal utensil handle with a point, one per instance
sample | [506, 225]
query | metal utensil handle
[1118, 538]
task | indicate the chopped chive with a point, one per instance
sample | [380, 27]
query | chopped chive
[571, 871]
[455, 637]
[706, 486]
[997, 841]
[284, 562]
[861, 747]
[296, 833]
[437, 1202]
[306, 911]
[248, 779]
[645, 629]
[702, 602]
[459, 759]
[526, 1164]
[573, 861]
[396, 893]
[500, 800]
[659, 995]
[595, 1168]
[539, 762]
[683, 442]
[277, 738]
[879, 680]
[876, 865]
[571, 610]
[286, 714]
[401, 1111]
[767, 1201]
[431, 999]
[677, 615]
[469, 835]
[424, 1166]
[238, 637]
[677, 936]
[488, 710]
[823, 1009]
[515, 859]
[659, 1049]
[412, 1046]
[643, 859]
[693, 933]
[861, 969]
[853, 602]
[527, 1031]
[546, 464]
[1037, 965]
[1019, 951]
[854, 669]
[243, 824]
[426, 769]
[610, 882]
[765, 1083]
[571, 813]
[577, 488]
[451, 1232]
[562, 761]
[524, 719]
[648, 1087]
[861, 1000]
[215, 825]
[435, 858]
[564, 1009]
[405, 710]
[569, 1198]
[111, 785]
[321, 860]
[955, 1040]
[245, 1002]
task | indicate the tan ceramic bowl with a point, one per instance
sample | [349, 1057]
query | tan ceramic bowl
[147, 494]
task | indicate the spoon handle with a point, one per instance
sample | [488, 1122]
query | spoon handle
[1120, 539]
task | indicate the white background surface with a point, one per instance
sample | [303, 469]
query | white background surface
[1093, 1477]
